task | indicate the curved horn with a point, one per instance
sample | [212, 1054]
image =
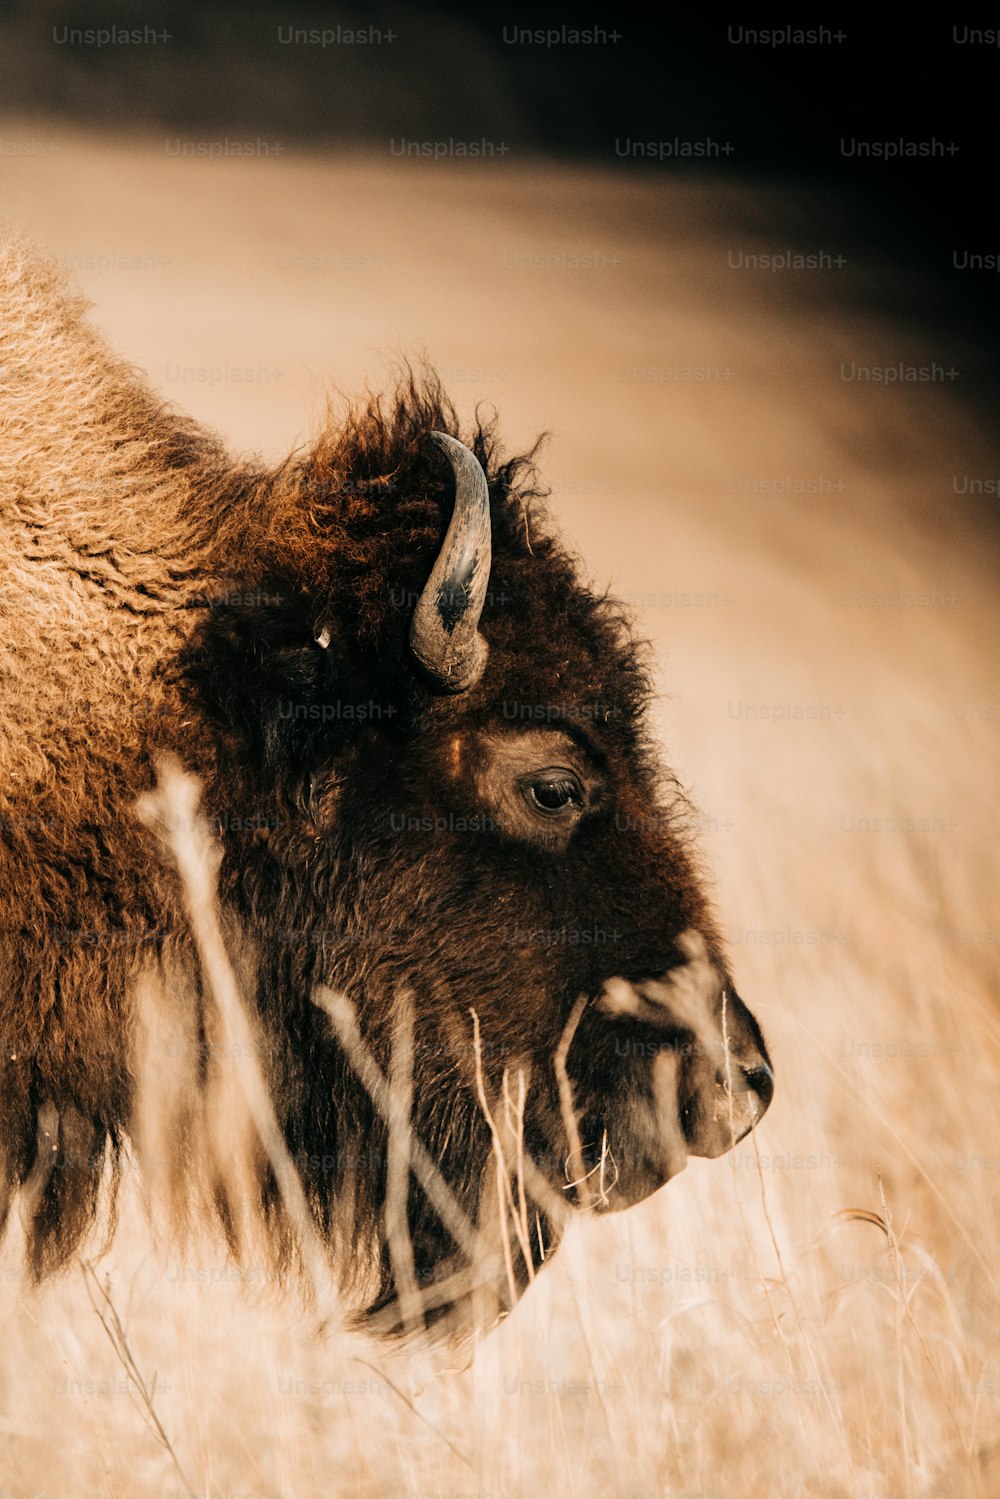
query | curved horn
[444, 631]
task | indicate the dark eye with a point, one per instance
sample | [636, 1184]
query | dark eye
[554, 792]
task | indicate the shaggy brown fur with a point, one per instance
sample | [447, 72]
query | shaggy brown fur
[155, 594]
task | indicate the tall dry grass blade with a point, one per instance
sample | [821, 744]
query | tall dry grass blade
[865, 1100]
[540, 1236]
[537, 1185]
[402, 1395]
[904, 1303]
[341, 1015]
[567, 1107]
[534, 1181]
[514, 1120]
[807, 1342]
[544, 1195]
[172, 811]
[897, 1271]
[503, 1190]
[107, 1315]
[398, 1164]
[167, 1112]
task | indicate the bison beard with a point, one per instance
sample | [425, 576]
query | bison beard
[510, 849]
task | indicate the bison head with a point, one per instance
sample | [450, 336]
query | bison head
[466, 817]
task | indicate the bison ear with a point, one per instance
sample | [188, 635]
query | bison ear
[444, 631]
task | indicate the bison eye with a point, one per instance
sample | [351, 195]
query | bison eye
[554, 792]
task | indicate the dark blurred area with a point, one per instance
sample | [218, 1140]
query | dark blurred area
[775, 106]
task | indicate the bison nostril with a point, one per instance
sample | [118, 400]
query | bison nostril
[760, 1080]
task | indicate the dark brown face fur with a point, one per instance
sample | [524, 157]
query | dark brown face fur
[510, 851]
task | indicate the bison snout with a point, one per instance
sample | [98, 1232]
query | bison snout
[716, 1117]
[709, 1079]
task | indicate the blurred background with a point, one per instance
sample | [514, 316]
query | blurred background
[352, 77]
[747, 280]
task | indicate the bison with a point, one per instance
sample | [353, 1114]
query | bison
[425, 755]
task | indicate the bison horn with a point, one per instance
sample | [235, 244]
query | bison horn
[444, 631]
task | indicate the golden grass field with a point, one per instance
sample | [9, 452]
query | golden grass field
[818, 1313]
